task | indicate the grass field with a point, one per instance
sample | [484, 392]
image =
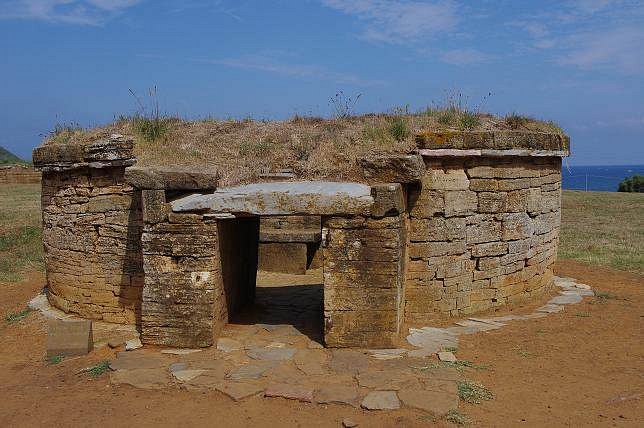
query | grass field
[597, 228]
[604, 228]
[20, 231]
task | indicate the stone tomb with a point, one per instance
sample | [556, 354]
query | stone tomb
[467, 222]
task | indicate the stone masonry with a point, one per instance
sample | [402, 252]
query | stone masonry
[466, 223]
[483, 233]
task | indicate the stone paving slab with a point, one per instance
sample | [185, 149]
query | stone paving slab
[381, 400]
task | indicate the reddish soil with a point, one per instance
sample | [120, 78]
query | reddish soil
[580, 367]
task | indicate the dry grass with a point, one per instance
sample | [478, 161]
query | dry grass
[321, 148]
[603, 228]
[20, 231]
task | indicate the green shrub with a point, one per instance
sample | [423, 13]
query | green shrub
[473, 393]
[150, 129]
[398, 129]
[516, 121]
[634, 184]
[468, 120]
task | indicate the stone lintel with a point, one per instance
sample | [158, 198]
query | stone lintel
[116, 151]
[282, 198]
[171, 178]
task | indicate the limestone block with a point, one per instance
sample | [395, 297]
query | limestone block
[489, 249]
[418, 250]
[437, 229]
[69, 337]
[514, 184]
[485, 263]
[175, 178]
[154, 206]
[394, 168]
[283, 257]
[388, 200]
[426, 203]
[545, 223]
[534, 200]
[489, 202]
[484, 184]
[452, 179]
[517, 226]
[483, 228]
[292, 235]
[460, 203]
[517, 201]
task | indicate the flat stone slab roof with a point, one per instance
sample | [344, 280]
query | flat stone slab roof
[282, 198]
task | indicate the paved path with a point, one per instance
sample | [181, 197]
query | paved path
[274, 350]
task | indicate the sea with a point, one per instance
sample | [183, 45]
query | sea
[598, 178]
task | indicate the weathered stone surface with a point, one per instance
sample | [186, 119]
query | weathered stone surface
[338, 394]
[153, 378]
[451, 179]
[283, 257]
[289, 235]
[186, 375]
[381, 400]
[227, 344]
[438, 403]
[133, 344]
[69, 337]
[155, 209]
[392, 168]
[348, 361]
[271, 354]
[283, 198]
[291, 392]
[497, 140]
[138, 360]
[171, 178]
[388, 200]
[114, 151]
[252, 370]
[239, 390]
[447, 357]
[460, 203]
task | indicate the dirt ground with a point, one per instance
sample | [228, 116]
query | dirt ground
[584, 366]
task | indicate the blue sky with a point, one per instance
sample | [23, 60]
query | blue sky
[578, 62]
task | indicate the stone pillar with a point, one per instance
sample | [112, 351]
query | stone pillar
[363, 277]
[198, 272]
[91, 230]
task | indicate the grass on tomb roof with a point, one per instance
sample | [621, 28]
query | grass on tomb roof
[314, 147]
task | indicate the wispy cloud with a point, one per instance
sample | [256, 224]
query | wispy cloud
[617, 48]
[269, 64]
[467, 56]
[591, 34]
[79, 12]
[399, 21]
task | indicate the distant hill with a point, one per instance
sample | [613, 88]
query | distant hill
[6, 157]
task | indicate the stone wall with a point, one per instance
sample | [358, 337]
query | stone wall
[91, 232]
[363, 262]
[18, 174]
[289, 244]
[483, 233]
[198, 271]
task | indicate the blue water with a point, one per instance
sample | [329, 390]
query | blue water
[597, 178]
